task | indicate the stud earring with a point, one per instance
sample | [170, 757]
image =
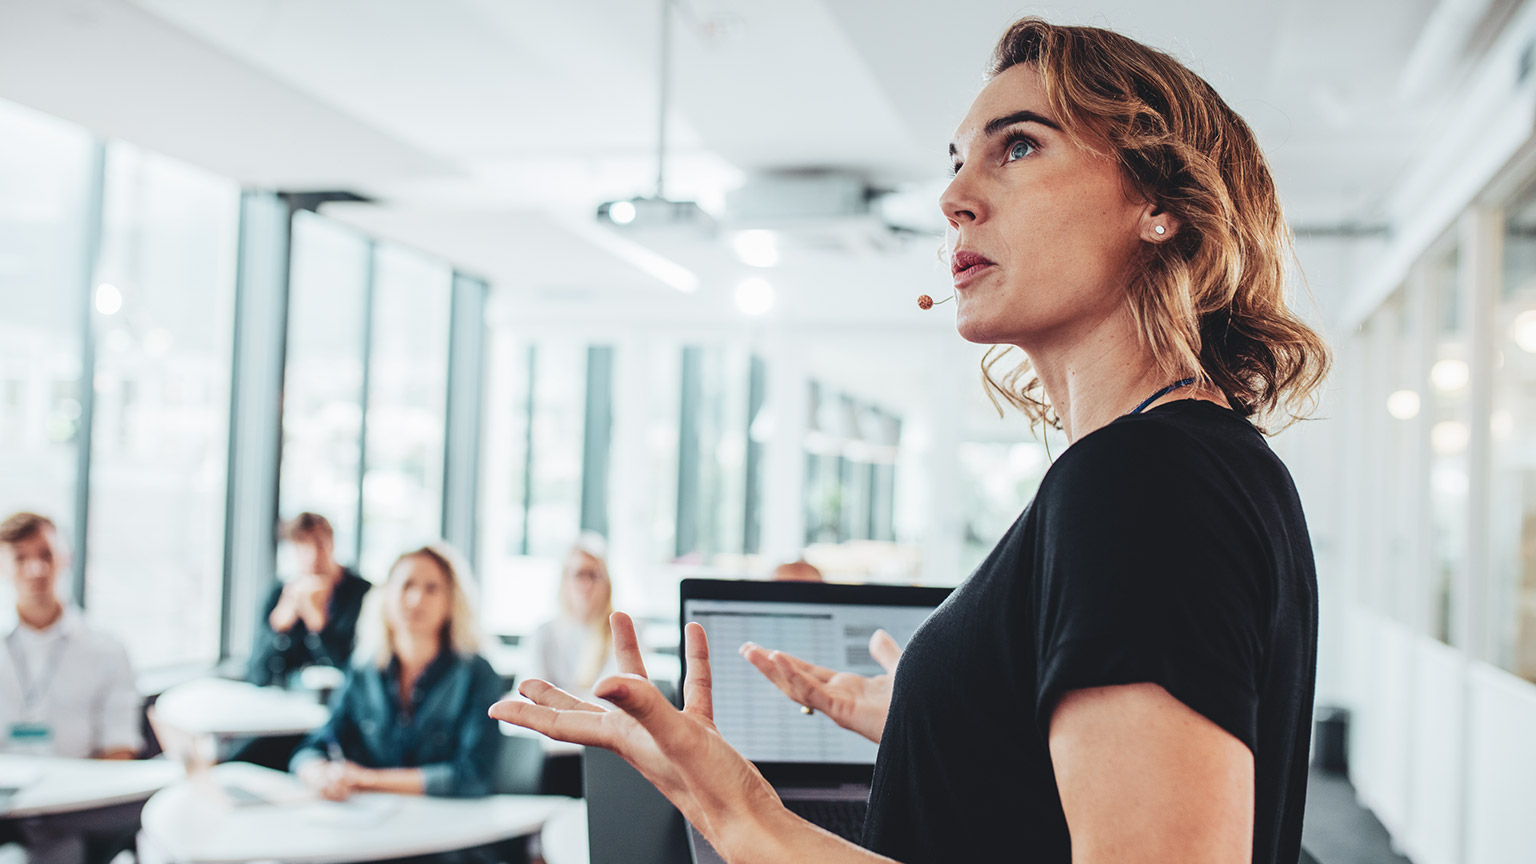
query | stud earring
[1160, 229]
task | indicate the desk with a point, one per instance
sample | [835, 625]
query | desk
[194, 821]
[227, 709]
[564, 837]
[51, 786]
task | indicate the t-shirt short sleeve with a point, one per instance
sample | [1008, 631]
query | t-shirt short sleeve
[1149, 570]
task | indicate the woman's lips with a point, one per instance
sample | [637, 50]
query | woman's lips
[967, 267]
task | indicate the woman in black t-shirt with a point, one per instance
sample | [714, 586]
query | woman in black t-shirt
[1128, 676]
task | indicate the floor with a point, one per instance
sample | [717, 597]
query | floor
[1337, 830]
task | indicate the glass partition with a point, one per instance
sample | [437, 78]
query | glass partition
[1512, 514]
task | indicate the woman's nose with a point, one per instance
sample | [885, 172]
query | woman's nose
[959, 202]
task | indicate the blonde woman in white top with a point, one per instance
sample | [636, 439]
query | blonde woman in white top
[575, 650]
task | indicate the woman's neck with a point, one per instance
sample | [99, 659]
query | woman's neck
[415, 650]
[1093, 377]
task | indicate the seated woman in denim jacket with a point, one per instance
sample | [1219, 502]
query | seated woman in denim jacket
[411, 717]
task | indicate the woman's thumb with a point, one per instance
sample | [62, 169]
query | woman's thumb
[885, 650]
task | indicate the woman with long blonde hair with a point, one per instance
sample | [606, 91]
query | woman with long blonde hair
[1128, 677]
[408, 718]
[575, 649]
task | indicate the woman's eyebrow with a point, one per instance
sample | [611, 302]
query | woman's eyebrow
[998, 124]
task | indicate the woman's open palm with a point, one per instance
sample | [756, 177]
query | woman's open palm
[680, 752]
[855, 702]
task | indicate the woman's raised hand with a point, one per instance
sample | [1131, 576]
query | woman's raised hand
[852, 701]
[680, 752]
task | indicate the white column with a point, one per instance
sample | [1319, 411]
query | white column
[931, 492]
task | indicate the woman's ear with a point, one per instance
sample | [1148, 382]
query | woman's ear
[1156, 224]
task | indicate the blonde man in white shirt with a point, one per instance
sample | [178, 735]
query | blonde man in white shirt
[65, 689]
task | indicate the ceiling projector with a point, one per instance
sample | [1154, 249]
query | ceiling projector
[644, 212]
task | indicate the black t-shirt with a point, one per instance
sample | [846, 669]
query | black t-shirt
[1167, 547]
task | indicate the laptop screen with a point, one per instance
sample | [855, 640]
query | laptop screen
[829, 625]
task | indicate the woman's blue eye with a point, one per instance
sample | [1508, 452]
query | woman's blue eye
[1019, 149]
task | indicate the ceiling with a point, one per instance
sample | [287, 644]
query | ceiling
[487, 131]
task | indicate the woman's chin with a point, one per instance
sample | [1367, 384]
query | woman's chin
[980, 330]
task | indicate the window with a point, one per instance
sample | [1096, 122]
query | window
[558, 427]
[850, 481]
[663, 430]
[531, 492]
[1000, 479]
[407, 403]
[1449, 435]
[712, 453]
[823, 492]
[1397, 421]
[163, 319]
[323, 382]
[1513, 430]
[45, 187]
[504, 481]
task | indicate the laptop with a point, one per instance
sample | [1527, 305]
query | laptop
[820, 770]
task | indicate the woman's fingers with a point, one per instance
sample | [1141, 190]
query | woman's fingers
[766, 662]
[641, 700]
[576, 726]
[885, 650]
[546, 694]
[698, 687]
[626, 646]
[803, 687]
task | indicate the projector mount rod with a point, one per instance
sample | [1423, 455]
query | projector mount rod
[664, 80]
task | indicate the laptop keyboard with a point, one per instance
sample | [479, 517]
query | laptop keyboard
[845, 818]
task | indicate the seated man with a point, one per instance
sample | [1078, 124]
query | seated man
[65, 688]
[313, 618]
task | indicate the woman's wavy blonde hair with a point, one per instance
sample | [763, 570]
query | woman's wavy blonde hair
[1211, 301]
[461, 632]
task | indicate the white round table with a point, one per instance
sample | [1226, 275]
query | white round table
[227, 709]
[564, 837]
[47, 785]
[240, 812]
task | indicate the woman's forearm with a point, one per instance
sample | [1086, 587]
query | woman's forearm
[781, 837]
[403, 781]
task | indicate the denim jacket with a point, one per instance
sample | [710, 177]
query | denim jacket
[446, 734]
